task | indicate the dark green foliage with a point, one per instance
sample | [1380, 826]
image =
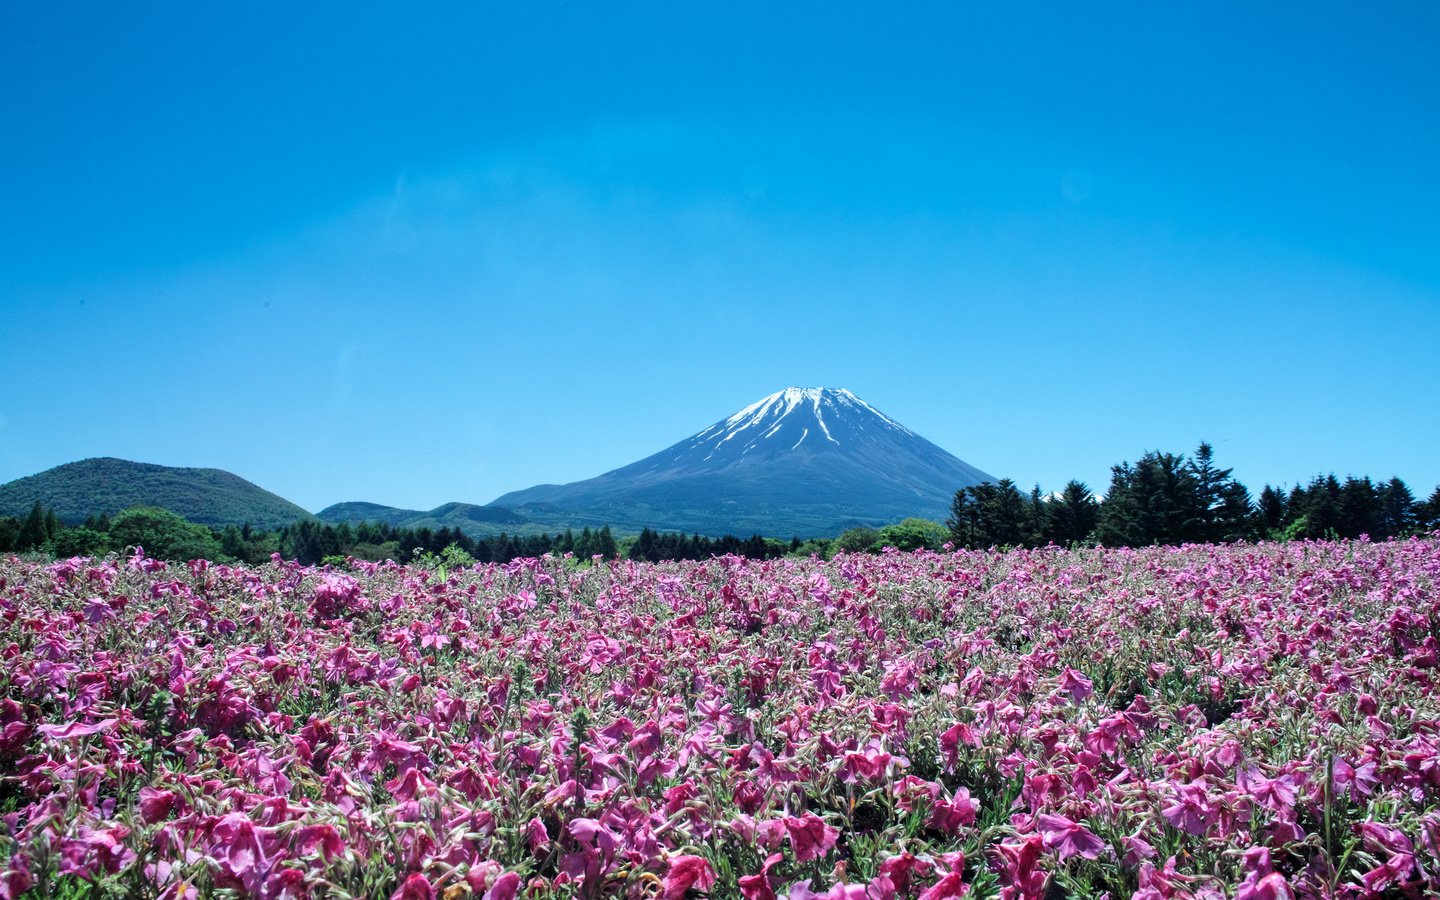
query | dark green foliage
[1427, 514]
[994, 514]
[163, 534]
[857, 540]
[913, 534]
[1397, 507]
[1270, 512]
[1165, 498]
[1070, 517]
[653, 546]
[1156, 501]
[107, 486]
[32, 531]
[79, 541]
[1327, 507]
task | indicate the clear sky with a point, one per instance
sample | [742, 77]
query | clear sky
[414, 253]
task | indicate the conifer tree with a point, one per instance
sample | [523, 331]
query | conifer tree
[32, 530]
[1071, 516]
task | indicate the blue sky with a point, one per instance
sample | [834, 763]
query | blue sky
[418, 253]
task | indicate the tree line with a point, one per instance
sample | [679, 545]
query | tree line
[1168, 498]
[1163, 498]
[167, 535]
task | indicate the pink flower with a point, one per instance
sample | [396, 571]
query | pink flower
[506, 887]
[1020, 868]
[757, 886]
[810, 836]
[950, 886]
[155, 805]
[416, 887]
[687, 873]
[324, 840]
[1069, 838]
[949, 816]
[1191, 812]
[901, 870]
[536, 836]
[238, 843]
[74, 730]
[1076, 684]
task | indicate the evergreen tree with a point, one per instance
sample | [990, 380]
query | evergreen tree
[1427, 514]
[1035, 519]
[1004, 515]
[1315, 508]
[1154, 502]
[964, 521]
[605, 544]
[52, 524]
[9, 533]
[1358, 509]
[1397, 508]
[1071, 516]
[32, 532]
[645, 546]
[1222, 504]
[1234, 517]
[1270, 512]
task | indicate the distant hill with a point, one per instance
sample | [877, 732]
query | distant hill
[89, 487]
[476, 521]
[803, 461]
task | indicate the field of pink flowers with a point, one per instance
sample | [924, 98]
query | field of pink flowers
[1244, 721]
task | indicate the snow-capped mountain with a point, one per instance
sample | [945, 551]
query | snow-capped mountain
[802, 461]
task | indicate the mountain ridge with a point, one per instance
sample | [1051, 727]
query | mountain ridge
[803, 461]
[107, 485]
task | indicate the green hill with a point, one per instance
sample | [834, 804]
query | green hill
[476, 521]
[92, 486]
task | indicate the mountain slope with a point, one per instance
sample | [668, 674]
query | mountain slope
[803, 461]
[476, 521]
[89, 487]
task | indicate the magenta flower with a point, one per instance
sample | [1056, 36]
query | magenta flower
[757, 886]
[1076, 685]
[1068, 838]
[154, 805]
[1192, 811]
[811, 837]
[237, 843]
[506, 887]
[686, 873]
[416, 887]
[74, 730]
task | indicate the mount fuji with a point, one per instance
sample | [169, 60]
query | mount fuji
[802, 461]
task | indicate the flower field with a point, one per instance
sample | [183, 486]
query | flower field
[1239, 721]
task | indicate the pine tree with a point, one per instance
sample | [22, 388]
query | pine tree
[1427, 514]
[1270, 512]
[1153, 502]
[605, 543]
[964, 521]
[1397, 508]
[32, 530]
[1358, 509]
[1070, 518]
[644, 547]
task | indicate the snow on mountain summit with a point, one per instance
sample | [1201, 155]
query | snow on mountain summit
[798, 408]
[800, 461]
